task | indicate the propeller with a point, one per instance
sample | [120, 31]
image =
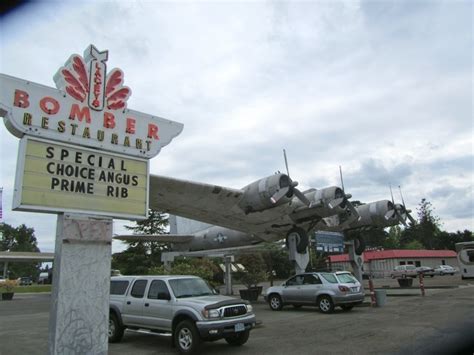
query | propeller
[405, 212]
[288, 188]
[398, 210]
[342, 199]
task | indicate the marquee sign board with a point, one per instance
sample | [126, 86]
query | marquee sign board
[59, 177]
[88, 108]
[57, 171]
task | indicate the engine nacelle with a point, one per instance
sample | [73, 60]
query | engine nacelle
[258, 195]
[377, 214]
[327, 202]
[324, 202]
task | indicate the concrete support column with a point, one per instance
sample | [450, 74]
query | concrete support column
[5, 268]
[300, 260]
[357, 262]
[81, 285]
[228, 259]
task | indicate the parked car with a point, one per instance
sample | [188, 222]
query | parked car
[445, 270]
[25, 281]
[404, 271]
[425, 270]
[183, 306]
[321, 289]
[43, 278]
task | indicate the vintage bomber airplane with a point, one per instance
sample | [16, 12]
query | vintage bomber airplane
[268, 209]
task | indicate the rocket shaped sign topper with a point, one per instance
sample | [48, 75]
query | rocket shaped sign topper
[87, 79]
[88, 107]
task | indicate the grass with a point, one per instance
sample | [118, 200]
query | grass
[30, 289]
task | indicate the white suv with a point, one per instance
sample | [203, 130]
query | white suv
[404, 271]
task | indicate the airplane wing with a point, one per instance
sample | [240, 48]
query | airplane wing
[268, 208]
[215, 205]
[162, 238]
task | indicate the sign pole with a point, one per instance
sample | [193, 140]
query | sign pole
[79, 311]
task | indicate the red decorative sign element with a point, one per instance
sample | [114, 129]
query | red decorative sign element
[88, 108]
[86, 79]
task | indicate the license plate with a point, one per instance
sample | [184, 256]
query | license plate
[239, 327]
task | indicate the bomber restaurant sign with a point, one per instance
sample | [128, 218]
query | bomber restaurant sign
[88, 109]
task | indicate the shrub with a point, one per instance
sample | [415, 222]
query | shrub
[8, 285]
[254, 269]
[197, 267]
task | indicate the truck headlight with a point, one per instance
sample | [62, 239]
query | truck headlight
[249, 308]
[211, 313]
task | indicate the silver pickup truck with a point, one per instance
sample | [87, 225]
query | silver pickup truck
[184, 306]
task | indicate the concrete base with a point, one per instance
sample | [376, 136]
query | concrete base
[81, 285]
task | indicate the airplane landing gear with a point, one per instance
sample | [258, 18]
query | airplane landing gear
[301, 238]
[359, 244]
[297, 243]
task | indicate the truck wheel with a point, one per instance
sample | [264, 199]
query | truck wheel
[275, 302]
[325, 304]
[238, 339]
[186, 337]
[115, 329]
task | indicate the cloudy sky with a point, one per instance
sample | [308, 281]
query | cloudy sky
[382, 88]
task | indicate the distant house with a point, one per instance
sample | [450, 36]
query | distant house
[381, 262]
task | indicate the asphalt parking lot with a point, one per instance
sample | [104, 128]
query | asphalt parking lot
[442, 322]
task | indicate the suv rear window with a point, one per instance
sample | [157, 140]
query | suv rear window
[118, 287]
[330, 278]
[346, 279]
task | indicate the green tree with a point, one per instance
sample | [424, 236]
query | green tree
[140, 257]
[204, 268]
[255, 270]
[278, 266]
[428, 227]
[374, 237]
[447, 240]
[414, 245]
[17, 239]
[393, 238]
[425, 231]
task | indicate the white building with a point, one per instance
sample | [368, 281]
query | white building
[381, 262]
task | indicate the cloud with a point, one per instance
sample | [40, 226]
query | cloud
[383, 89]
